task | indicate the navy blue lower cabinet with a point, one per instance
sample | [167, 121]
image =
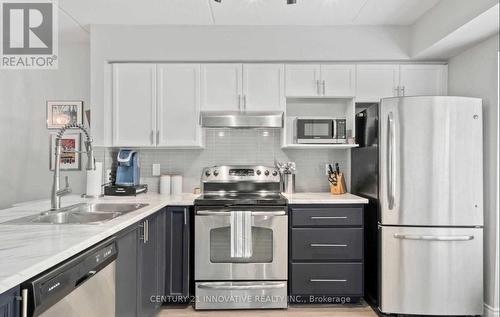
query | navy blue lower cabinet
[10, 303]
[326, 254]
[177, 254]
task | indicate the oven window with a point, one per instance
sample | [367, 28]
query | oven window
[262, 246]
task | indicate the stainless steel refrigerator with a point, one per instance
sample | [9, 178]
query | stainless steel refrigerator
[420, 165]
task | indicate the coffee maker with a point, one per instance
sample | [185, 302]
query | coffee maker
[128, 174]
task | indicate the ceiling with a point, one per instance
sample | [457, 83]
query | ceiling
[245, 12]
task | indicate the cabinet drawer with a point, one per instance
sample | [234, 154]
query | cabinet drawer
[327, 279]
[327, 244]
[330, 216]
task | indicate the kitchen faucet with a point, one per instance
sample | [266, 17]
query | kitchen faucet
[57, 193]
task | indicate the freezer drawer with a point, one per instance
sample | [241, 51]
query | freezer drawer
[431, 271]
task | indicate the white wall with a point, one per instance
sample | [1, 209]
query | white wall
[474, 73]
[24, 139]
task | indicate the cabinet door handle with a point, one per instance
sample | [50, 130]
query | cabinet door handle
[244, 102]
[24, 303]
[327, 217]
[157, 137]
[326, 280]
[239, 102]
[147, 231]
[403, 90]
[328, 245]
[151, 137]
[318, 89]
[185, 216]
[324, 87]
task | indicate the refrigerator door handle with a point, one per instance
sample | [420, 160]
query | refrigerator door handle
[432, 238]
[391, 168]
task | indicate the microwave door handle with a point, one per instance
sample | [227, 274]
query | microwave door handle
[334, 124]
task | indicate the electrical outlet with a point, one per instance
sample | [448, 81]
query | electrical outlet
[109, 176]
[156, 170]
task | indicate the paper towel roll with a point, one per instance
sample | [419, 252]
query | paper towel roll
[94, 180]
[165, 184]
[176, 184]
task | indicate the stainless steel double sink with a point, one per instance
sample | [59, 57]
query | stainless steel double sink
[83, 213]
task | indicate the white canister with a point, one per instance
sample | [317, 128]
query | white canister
[165, 184]
[176, 184]
[94, 181]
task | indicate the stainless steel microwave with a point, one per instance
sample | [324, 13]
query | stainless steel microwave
[320, 130]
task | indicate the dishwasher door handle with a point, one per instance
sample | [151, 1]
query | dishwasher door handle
[82, 279]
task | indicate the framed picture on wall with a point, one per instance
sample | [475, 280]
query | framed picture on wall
[70, 142]
[60, 113]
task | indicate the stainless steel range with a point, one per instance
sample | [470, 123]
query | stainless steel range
[241, 239]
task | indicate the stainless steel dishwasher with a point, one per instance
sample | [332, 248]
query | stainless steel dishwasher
[81, 286]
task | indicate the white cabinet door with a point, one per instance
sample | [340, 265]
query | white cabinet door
[221, 87]
[376, 81]
[338, 80]
[423, 80]
[134, 104]
[178, 105]
[302, 80]
[263, 87]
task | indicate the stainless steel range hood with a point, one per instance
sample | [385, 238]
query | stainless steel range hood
[241, 119]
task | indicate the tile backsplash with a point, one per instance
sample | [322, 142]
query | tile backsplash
[235, 147]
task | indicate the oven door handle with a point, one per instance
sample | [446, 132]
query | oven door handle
[242, 287]
[228, 213]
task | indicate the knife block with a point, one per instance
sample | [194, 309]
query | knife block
[340, 187]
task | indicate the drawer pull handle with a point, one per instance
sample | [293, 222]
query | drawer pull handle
[327, 245]
[328, 217]
[326, 280]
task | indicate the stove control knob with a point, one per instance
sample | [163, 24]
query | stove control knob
[275, 173]
[207, 173]
[266, 173]
[258, 172]
[216, 173]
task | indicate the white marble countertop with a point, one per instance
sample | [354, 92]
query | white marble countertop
[29, 249]
[324, 198]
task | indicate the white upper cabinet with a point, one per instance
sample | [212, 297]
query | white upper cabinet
[303, 80]
[134, 104]
[420, 80]
[328, 80]
[338, 80]
[263, 87]
[221, 86]
[178, 105]
[374, 82]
